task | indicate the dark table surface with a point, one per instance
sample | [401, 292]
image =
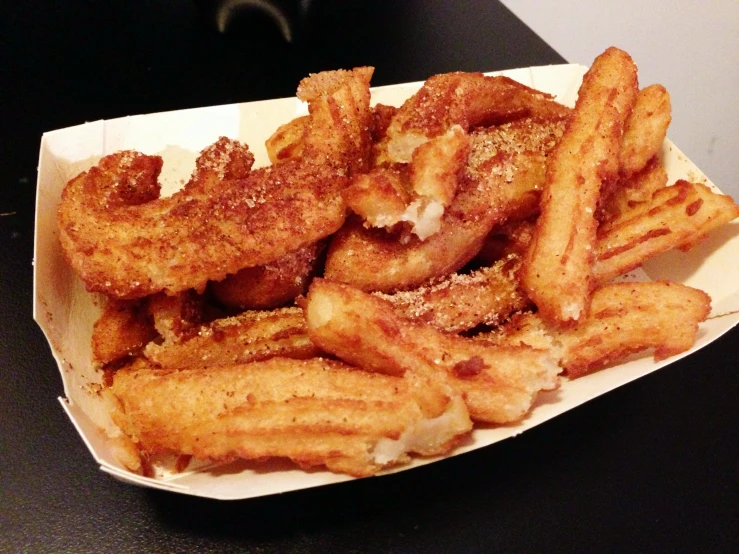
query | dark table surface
[651, 466]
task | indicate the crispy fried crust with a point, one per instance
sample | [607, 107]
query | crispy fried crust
[488, 193]
[646, 129]
[248, 337]
[556, 271]
[122, 330]
[181, 242]
[315, 412]
[286, 143]
[271, 285]
[176, 317]
[499, 385]
[674, 217]
[630, 317]
[437, 164]
[518, 152]
[677, 216]
[328, 136]
[379, 197]
[373, 259]
[510, 238]
[340, 119]
[624, 318]
[415, 193]
[460, 302]
[634, 190]
[465, 99]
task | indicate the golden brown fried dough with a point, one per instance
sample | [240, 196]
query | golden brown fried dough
[633, 190]
[464, 99]
[271, 285]
[176, 317]
[557, 267]
[646, 129]
[247, 337]
[458, 172]
[676, 217]
[177, 243]
[181, 242]
[624, 318]
[499, 384]
[437, 164]
[488, 193]
[379, 197]
[523, 147]
[338, 133]
[462, 301]
[286, 143]
[630, 317]
[314, 412]
[122, 330]
[416, 195]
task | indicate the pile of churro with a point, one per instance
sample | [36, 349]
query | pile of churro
[396, 276]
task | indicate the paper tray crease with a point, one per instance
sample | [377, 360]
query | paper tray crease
[66, 312]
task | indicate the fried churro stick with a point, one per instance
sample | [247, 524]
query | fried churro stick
[645, 130]
[375, 260]
[185, 240]
[271, 285]
[416, 194]
[556, 271]
[460, 302]
[314, 412]
[677, 216]
[176, 317]
[501, 172]
[379, 197]
[499, 385]
[338, 133]
[248, 337]
[123, 329]
[464, 99]
[633, 190]
[659, 315]
[624, 318]
[286, 143]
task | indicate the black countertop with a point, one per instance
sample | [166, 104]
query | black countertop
[651, 466]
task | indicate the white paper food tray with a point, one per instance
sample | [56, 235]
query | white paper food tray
[66, 313]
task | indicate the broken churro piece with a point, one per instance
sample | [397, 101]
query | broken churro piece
[500, 181]
[270, 285]
[464, 99]
[462, 301]
[646, 129]
[677, 216]
[122, 330]
[499, 384]
[247, 337]
[624, 318]
[314, 412]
